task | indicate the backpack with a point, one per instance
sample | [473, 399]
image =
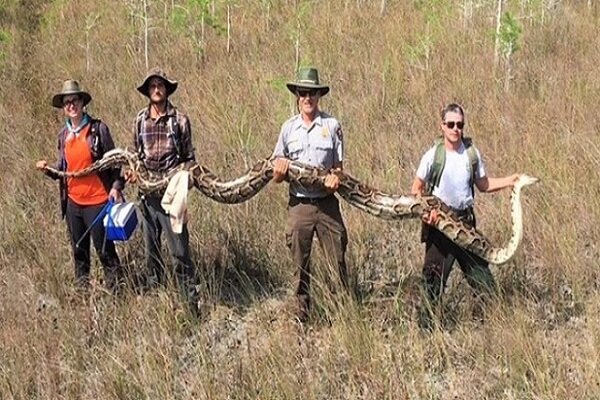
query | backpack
[439, 161]
[174, 133]
[96, 148]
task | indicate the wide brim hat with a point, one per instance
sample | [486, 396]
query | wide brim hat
[307, 78]
[70, 87]
[170, 85]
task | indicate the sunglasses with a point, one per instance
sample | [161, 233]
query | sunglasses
[450, 124]
[71, 102]
[307, 93]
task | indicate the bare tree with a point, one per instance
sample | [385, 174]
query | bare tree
[90, 22]
[498, 23]
[228, 27]
[145, 18]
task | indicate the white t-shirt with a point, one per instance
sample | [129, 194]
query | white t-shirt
[454, 188]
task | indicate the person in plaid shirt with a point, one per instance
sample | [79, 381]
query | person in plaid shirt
[163, 139]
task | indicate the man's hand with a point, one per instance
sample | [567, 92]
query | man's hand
[430, 218]
[130, 176]
[41, 165]
[280, 169]
[115, 195]
[332, 182]
[512, 179]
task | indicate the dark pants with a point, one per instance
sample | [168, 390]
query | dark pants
[79, 219]
[155, 222]
[440, 254]
[305, 218]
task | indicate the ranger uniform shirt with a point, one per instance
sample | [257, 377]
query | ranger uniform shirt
[319, 145]
[454, 188]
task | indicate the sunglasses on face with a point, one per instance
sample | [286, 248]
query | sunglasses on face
[450, 124]
[307, 93]
[71, 102]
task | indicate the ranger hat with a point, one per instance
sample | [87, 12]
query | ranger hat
[307, 78]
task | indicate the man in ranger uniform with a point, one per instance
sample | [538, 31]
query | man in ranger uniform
[314, 138]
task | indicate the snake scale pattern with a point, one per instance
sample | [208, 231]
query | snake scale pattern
[368, 199]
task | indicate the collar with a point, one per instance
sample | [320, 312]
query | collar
[299, 123]
[76, 130]
[171, 110]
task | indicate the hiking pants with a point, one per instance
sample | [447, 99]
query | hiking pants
[440, 254]
[305, 218]
[79, 219]
[155, 222]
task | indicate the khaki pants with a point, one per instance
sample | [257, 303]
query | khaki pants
[305, 218]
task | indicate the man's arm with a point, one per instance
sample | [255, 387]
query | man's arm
[418, 187]
[489, 185]
[332, 180]
[43, 164]
[187, 148]
[282, 164]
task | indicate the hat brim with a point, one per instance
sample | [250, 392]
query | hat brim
[293, 87]
[171, 86]
[57, 99]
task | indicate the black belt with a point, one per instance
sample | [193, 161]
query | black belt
[294, 200]
[462, 213]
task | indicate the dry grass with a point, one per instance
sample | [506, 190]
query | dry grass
[541, 338]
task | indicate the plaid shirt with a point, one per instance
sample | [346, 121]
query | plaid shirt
[152, 138]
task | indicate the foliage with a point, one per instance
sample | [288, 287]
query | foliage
[192, 19]
[5, 38]
[435, 14]
[510, 34]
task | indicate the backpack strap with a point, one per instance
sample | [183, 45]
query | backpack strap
[139, 125]
[439, 161]
[473, 161]
[174, 133]
[96, 142]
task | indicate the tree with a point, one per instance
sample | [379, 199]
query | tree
[508, 37]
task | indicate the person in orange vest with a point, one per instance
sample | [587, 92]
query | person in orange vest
[81, 141]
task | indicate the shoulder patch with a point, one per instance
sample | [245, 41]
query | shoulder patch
[339, 133]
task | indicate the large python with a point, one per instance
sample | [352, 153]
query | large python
[364, 197]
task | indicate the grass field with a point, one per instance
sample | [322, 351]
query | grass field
[391, 65]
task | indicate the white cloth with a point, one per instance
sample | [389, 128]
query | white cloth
[174, 201]
[454, 188]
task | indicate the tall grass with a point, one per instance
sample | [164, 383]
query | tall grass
[390, 74]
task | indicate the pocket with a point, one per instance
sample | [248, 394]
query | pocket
[294, 149]
[324, 149]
